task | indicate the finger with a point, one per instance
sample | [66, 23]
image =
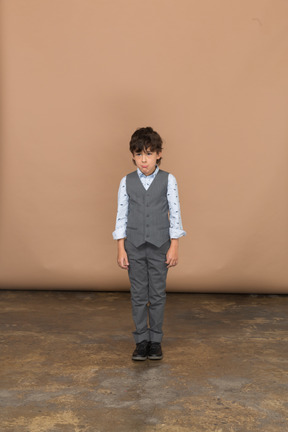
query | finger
[122, 264]
[125, 264]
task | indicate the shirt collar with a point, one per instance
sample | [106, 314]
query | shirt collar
[152, 176]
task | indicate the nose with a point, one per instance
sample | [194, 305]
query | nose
[143, 157]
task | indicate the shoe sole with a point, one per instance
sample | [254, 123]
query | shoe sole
[155, 357]
[139, 358]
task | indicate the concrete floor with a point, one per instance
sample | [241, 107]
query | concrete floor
[66, 364]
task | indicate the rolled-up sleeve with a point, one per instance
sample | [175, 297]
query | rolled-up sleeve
[122, 212]
[176, 228]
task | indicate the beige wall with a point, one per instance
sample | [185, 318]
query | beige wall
[79, 76]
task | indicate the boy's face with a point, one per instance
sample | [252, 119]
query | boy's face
[146, 161]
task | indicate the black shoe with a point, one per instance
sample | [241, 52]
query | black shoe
[141, 351]
[155, 351]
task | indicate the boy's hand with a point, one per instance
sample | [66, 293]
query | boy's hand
[122, 258]
[172, 254]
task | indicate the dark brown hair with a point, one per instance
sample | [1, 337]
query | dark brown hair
[146, 138]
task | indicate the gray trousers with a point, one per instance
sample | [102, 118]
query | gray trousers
[147, 273]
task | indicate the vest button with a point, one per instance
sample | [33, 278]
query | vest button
[147, 225]
[147, 215]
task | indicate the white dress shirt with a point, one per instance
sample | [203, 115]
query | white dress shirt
[175, 230]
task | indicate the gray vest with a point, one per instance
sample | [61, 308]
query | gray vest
[148, 210]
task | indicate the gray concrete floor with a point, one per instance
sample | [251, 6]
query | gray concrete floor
[66, 364]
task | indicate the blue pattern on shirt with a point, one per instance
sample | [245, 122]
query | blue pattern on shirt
[176, 228]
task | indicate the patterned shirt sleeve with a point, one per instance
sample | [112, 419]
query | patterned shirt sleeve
[122, 211]
[176, 228]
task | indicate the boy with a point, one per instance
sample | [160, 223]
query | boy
[148, 226]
